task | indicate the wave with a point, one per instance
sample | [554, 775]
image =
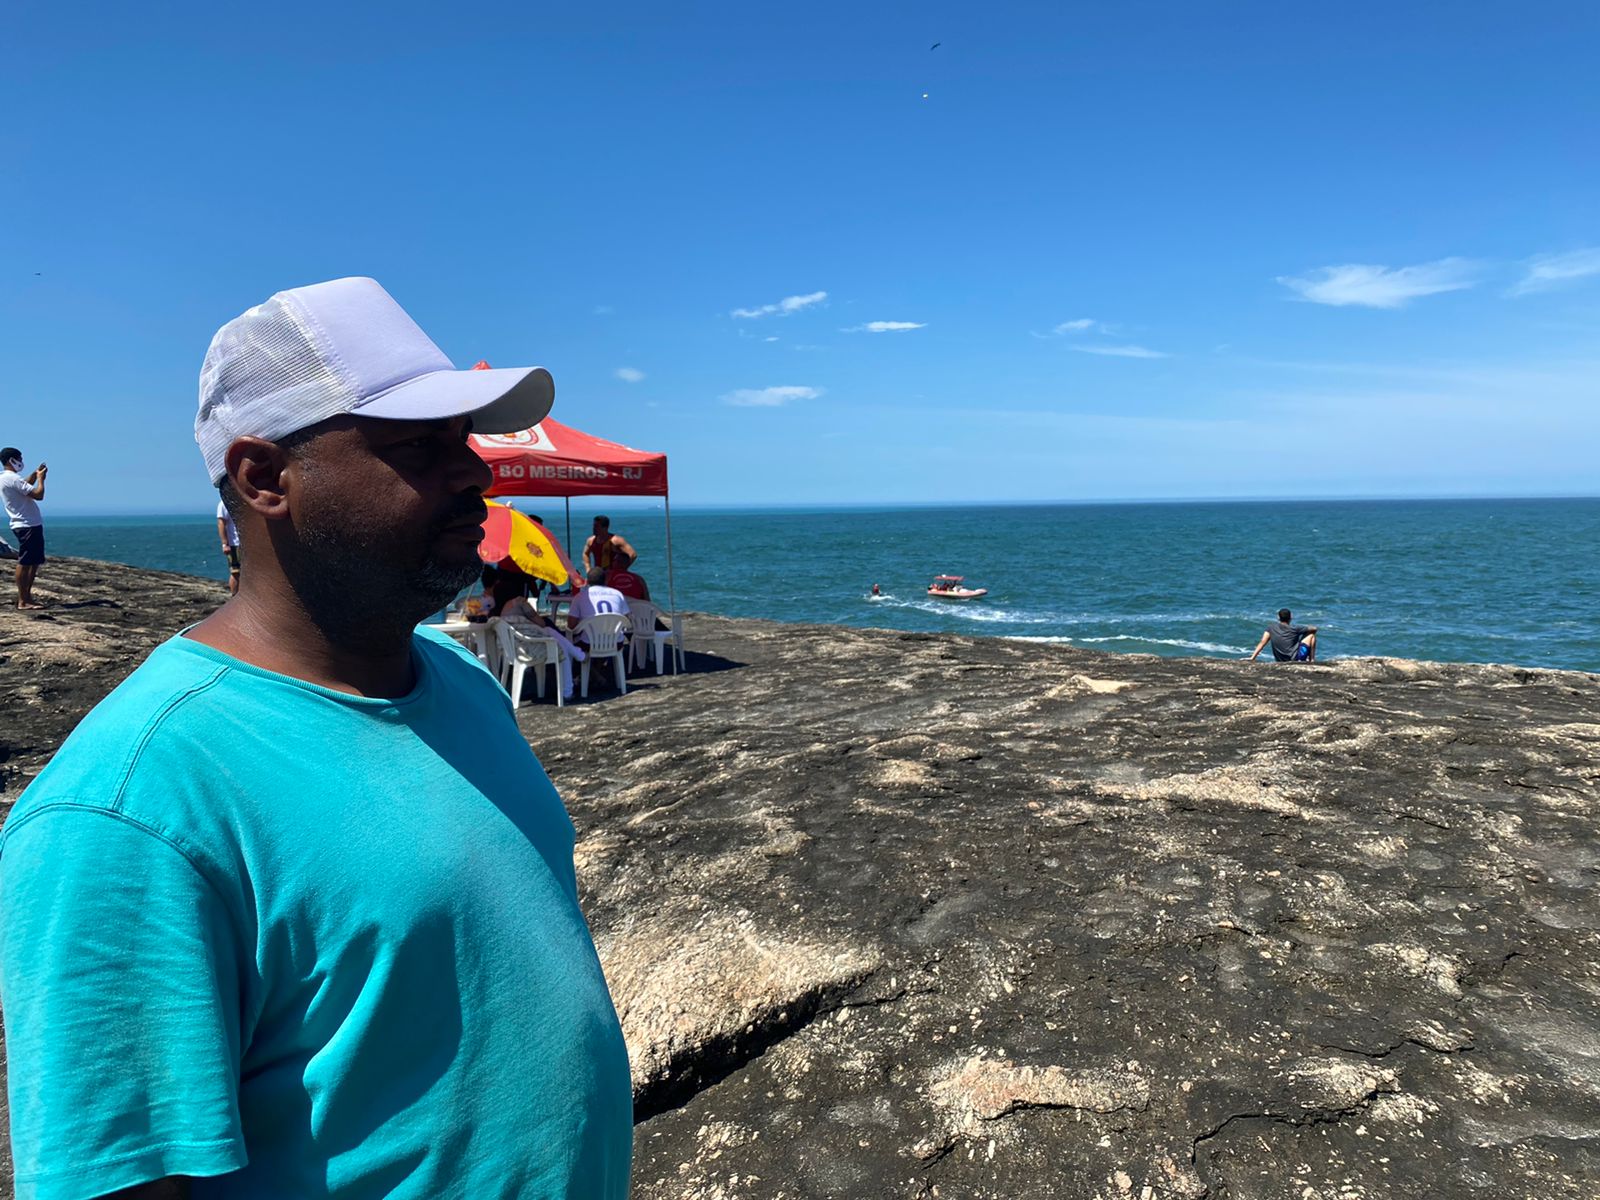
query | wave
[988, 614]
[973, 611]
[979, 610]
[1212, 647]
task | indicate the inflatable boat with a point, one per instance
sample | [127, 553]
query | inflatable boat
[951, 587]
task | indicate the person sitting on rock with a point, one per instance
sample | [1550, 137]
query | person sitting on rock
[1290, 643]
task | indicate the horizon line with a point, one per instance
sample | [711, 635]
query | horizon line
[869, 505]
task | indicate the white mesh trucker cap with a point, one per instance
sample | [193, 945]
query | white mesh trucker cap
[345, 346]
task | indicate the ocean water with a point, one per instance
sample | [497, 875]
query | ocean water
[1457, 580]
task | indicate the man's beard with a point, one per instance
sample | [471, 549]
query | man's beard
[362, 581]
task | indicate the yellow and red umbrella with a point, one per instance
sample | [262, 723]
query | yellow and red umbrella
[515, 542]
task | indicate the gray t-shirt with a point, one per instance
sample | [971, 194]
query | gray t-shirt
[1284, 638]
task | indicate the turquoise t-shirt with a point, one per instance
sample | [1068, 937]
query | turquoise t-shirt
[299, 943]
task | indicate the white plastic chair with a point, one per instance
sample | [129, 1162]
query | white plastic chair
[673, 637]
[648, 640]
[517, 652]
[480, 640]
[643, 643]
[601, 635]
[477, 637]
[487, 647]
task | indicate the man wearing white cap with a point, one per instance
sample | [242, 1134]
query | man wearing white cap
[293, 911]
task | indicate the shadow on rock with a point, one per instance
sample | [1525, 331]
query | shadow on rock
[697, 663]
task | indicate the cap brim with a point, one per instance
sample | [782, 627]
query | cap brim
[501, 400]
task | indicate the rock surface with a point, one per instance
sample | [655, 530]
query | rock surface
[892, 915]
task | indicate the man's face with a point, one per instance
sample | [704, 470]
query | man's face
[387, 514]
[601, 529]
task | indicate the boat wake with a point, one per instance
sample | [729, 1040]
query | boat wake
[982, 614]
[1018, 619]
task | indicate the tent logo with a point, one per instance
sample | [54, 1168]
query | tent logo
[527, 439]
[539, 471]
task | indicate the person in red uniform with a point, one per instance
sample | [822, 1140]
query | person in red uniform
[630, 585]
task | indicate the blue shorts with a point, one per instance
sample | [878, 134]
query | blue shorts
[30, 545]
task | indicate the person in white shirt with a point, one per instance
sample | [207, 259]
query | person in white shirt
[228, 533]
[595, 599]
[21, 495]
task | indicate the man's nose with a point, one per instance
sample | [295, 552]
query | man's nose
[471, 471]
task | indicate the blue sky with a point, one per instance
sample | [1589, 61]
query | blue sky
[1078, 251]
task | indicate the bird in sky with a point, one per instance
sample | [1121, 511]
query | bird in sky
[935, 46]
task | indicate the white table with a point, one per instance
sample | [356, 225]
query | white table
[474, 635]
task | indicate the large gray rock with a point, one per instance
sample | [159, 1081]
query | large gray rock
[1007, 920]
[897, 915]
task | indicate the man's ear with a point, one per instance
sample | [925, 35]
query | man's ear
[259, 471]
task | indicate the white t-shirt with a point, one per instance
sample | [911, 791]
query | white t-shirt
[596, 599]
[21, 508]
[229, 528]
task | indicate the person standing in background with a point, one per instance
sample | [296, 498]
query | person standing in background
[606, 550]
[228, 532]
[21, 495]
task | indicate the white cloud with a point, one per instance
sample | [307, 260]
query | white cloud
[1122, 351]
[886, 327]
[769, 397]
[769, 339]
[1381, 287]
[785, 307]
[1078, 327]
[629, 374]
[1546, 271]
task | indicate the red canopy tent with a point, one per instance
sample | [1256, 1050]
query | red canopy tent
[552, 459]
